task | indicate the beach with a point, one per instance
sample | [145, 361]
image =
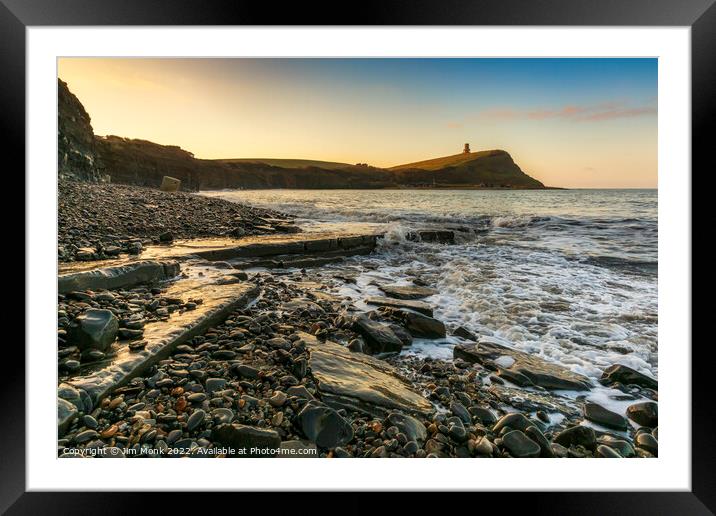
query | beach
[337, 324]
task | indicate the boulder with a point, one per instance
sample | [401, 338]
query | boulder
[519, 445]
[419, 306]
[247, 441]
[407, 291]
[413, 429]
[626, 375]
[645, 413]
[378, 336]
[324, 426]
[360, 382]
[94, 329]
[422, 326]
[170, 184]
[577, 436]
[604, 417]
[520, 367]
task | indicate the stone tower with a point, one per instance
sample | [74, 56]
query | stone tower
[466, 150]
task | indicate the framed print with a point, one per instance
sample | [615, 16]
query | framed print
[455, 238]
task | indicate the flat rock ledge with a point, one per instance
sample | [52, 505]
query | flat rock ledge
[521, 368]
[119, 276]
[83, 393]
[360, 382]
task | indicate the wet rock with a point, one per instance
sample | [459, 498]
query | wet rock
[464, 333]
[644, 414]
[507, 360]
[419, 306]
[483, 415]
[300, 391]
[422, 326]
[537, 436]
[378, 336]
[247, 441]
[324, 426]
[519, 445]
[94, 329]
[607, 452]
[647, 442]
[413, 429]
[360, 382]
[515, 421]
[604, 417]
[626, 375]
[407, 292]
[578, 436]
[460, 411]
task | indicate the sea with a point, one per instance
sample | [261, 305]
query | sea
[568, 275]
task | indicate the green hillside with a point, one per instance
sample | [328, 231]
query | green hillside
[290, 163]
[448, 161]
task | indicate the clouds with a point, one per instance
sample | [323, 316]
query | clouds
[569, 112]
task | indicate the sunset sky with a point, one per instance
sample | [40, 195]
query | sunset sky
[567, 122]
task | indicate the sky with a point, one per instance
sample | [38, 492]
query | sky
[574, 123]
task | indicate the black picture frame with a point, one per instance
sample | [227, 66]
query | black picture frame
[699, 15]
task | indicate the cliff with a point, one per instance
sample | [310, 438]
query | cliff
[76, 148]
[84, 156]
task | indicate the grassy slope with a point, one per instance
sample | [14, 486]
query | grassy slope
[290, 163]
[447, 161]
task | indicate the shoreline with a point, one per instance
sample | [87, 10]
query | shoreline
[280, 373]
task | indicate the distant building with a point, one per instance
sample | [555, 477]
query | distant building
[466, 150]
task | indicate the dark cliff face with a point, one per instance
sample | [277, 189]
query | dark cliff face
[86, 157]
[76, 149]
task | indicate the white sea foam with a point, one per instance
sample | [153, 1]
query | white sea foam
[569, 276]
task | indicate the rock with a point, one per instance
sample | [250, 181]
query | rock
[515, 421]
[418, 306]
[378, 336]
[245, 371]
[483, 446]
[460, 411]
[278, 399]
[324, 426]
[413, 429]
[644, 414]
[360, 382]
[626, 375]
[222, 415]
[356, 345]
[607, 452]
[196, 418]
[422, 326]
[405, 337]
[465, 334]
[90, 422]
[520, 365]
[407, 292]
[483, 415]
[299, 391]
[166, 237]
[94, 329]
[647, 442]
[170, 184]
[537, 436]
[604, 417]
[622, 447]
[577, 435]
[215, 384]
[247, 441]
[519, 445]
